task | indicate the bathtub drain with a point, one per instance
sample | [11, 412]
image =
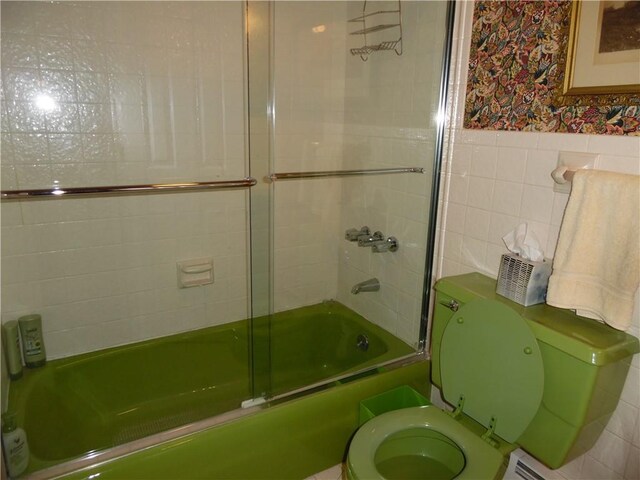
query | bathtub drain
[362, 342]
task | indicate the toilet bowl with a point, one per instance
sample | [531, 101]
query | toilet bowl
[421, 443]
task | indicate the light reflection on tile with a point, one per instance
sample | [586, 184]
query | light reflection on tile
[63, 118]
[25, 117]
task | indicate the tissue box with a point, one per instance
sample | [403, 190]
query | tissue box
[523, 281]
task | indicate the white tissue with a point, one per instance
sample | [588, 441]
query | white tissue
[524, 242]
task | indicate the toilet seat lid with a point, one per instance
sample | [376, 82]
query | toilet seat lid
[490, 356]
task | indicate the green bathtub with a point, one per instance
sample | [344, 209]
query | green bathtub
[94, 401]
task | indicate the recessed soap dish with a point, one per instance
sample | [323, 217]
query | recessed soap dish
[196, 272]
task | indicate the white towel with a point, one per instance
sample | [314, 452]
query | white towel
[596, 268]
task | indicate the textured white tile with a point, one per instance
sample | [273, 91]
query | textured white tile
[19, 50]
[627, 146]
[493, 258]
[623, 422]
[65, 148]
[537, 203]
[620, 164]
[452, 246]
[474, 252]
[631, 390]
[11, 214]
[477, 137]
[540, 164]
[517, 139]
[477, 223]
[480, 192]
[34, 176]
[612, 451]
[573, 469]
[483, 161]
[632, 469]
[24, 117]
[507, 198]
[9, 179]
[511, 164]
[461, 160]
[592, 469]
[456, 214]
[499, 226]
[21, 84]
[30, 149]
[567, 142]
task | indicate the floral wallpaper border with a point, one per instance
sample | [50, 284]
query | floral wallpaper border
[516, 68]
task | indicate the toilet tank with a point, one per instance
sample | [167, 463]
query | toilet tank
[585, 367]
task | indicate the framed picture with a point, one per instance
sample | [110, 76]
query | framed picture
[603, 57]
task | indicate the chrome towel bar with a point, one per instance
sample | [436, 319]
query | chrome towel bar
[341, 173]
[59, 192]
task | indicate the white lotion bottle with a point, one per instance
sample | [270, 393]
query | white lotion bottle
[16, 448]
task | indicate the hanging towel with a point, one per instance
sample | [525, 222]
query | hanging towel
[596, 268]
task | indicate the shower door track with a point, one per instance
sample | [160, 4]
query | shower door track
[58, 192]
[341, 173]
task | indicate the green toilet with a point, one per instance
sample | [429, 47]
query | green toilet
[537, 377]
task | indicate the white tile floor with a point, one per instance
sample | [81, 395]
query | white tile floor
[333, 473]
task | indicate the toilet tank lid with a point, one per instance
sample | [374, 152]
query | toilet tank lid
[583, 338]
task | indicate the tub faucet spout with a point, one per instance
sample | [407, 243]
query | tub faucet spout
[371, 285]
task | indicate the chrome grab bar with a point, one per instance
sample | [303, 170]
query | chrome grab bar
[59, 192]
[340, 173]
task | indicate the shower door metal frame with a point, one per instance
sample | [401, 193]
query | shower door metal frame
[435, 181]
[430, 250]
[260, 112]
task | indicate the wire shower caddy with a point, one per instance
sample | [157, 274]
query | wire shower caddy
[370, 17]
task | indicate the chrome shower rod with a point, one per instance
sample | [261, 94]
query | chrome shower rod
[341, 173]
[60, 192]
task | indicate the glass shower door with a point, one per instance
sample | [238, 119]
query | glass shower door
[354, 145]
[144, 298]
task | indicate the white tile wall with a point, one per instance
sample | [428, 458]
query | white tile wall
[140, 93]
[334, 111]
[309, 104]
[495, 180]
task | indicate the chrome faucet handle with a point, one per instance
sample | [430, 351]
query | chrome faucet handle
[388, 245]
[369, 240]
[353, 234]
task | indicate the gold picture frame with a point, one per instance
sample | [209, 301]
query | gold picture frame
[590, 68]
